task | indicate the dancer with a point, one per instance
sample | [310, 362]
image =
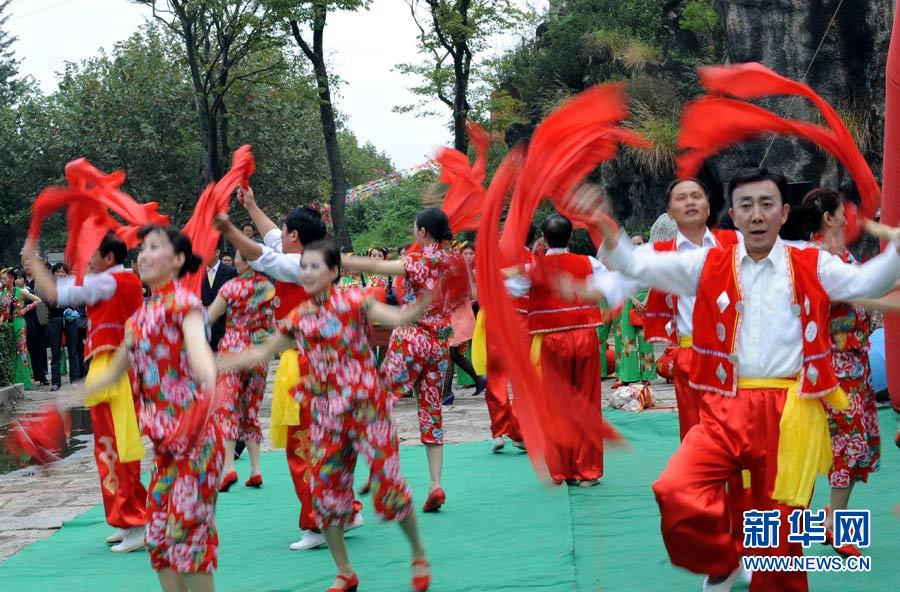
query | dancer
[174, 374]
[855, 438]
[417, 355]
[14, 309]
[349, 405]
[279, 258]
[752, 380]
[245, 300]
[111, 294]
[462, 326]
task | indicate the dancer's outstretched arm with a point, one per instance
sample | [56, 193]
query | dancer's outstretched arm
[263, 223]
[256, 355]
[117, 367]
[200, 356]
[43, 280]
[249, 248]
[357, 264]
[216, 309]
[394, 316]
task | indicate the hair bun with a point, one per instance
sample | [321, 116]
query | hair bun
[192, 263]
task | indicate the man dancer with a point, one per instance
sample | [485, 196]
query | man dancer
[111, 294]
[750, 374]
[279, 258]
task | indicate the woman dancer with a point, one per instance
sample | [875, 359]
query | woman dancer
[855, 438]
[462, 323]
[14, 309]
[417, 355]
[350, 406]
[173, 373]
[245, 301]
[634, 354]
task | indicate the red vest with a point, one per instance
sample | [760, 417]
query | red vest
[547, 312]
[717, 316]
[287, 297]
[106, 319]
[661, 313]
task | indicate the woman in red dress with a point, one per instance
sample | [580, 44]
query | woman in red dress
[173, 377]
[245, 300]
[350, 407]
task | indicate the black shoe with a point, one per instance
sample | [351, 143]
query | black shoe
[480, 385]
[448, 400]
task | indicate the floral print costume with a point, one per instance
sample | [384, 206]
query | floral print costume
[248, 323]
[417, 356]
[855, 438]
[181, 529]
[12, 310]
[349, 406]
[634, 354]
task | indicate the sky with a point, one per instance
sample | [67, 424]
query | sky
[365, 47]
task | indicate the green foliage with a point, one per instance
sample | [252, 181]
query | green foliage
[7, 354]
[700, 18]
[362, 163]
[10, 85]
[386, 220]
[662, 131]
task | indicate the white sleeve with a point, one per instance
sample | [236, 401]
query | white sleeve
[273, 240]
[616, 288]
[284, 267]
[94, 288]
[873, 279]
[674, 272]
[518, 285]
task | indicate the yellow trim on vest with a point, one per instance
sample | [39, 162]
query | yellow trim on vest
[121, 407]
[686, 342]
[285, 409]
[745, 478]
[479, 346]
[536, 343]
[804, 441]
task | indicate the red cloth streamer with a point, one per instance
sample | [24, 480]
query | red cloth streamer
[215, 200]
[91, 197]
[702, 136]
[39, 437]
[465, 193]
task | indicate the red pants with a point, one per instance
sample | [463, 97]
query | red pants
[503, 421]
[734, 433]
[298, 449]
[124, 496]
[575, 357]
[687, 398]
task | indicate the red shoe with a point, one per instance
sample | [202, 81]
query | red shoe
[254, 481]
[843, 550]
[435, 500]
[617, 384]
[421, 583]
[350, 584]
[229, 480]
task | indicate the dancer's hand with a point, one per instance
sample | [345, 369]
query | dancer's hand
[245, 197]
[882, 231]
[589, 204]
[222, 223]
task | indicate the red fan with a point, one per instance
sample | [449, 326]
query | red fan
[39, 437]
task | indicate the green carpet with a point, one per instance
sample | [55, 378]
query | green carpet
[500, 531]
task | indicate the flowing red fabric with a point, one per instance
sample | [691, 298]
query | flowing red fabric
[91, 197]
[215, 200]
[40, 436]
[753, 81]
[465, 182]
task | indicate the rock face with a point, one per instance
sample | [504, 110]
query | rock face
[848, 71]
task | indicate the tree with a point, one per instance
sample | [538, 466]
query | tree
[219, 37]
[298, 15]
[10, 85]
[451, 34]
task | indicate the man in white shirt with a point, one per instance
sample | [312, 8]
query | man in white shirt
[217, 273]
[760, 313]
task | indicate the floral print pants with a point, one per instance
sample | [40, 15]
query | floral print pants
[336, 441]
[181, 503]
[241, 393]
[417, 360]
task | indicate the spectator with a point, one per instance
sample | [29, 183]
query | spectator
[217, 273]
[36, 330]
[58, 328]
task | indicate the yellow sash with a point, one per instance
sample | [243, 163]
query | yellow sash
[686, 342]
[804, 442]
[121, 406]
[479, 346]
[285, 409]
[536, 343]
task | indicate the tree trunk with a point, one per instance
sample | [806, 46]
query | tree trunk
[460, 103]
[316, 56]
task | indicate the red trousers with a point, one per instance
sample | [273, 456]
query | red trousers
[687, 398]
[499, 404]
[575, 358]
[298, 447]
[734, 433]
[124, 496]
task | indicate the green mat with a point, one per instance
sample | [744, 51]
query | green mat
[501, 530]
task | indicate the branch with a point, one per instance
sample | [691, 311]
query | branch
[437, 27]
[295, 29]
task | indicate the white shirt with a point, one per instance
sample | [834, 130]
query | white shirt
[284, 267]
[95, 287]
[769, 341]
[519, 285]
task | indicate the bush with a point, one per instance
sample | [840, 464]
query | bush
[7, 354]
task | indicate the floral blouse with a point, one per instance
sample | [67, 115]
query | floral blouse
[850, 323]
[423, 271]
[161, 377]
[332, 333]
[249, 317]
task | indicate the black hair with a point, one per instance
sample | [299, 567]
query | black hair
[330, 254]
[57, 266]
[724, 221]
[754, 175]
[226, 253]
[307, 223]
[18, 273]
[435, 222]
[113, 244]
[677, 182]
[181, 244]
[557, 231]
[806, 219]
[381, 250]
[532, 235]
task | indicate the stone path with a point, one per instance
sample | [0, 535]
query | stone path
[34, 502]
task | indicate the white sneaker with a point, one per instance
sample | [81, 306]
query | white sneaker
[310, 540]
[518, 444]
[725, 585]
[499, 443]
[590, 483]
[133, 541]
[357, 522]
[118, 536]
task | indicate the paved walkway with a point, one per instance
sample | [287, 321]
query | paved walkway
[34, 502]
